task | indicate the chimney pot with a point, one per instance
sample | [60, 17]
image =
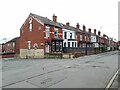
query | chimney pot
[78, 26]
[84, 28]
[54, 18]
[95, 31]
[99, 33]
[89, 30]
[68, 24]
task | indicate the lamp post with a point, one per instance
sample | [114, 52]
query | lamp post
[100, 40]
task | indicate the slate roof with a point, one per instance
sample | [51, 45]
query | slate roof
[45, 20]
[13, 40]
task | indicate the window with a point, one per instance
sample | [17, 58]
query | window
[84, 45]
[65, 44]
[47, 32]
[85, 38]
[13, 44]
[30, 24]
[80, 37]
[30, 27]
[8, 44]
[29, 42]
[68, 44]
[60, 47]
[56, 33]
[75, 36]
[75, 44]
[80, 44]
[57, 46]
[65, 35]
[72, 44]
[35, 46]
[88, 45]
[53, 46]
[70, 35]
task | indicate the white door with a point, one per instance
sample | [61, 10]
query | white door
[47, 49]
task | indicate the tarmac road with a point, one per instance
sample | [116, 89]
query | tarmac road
[93, 71]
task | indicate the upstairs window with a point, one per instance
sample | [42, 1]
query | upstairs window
[47, 32]
[80, 37]
[85, 38]
[13, 44]
[70, 35]
[65, 35]
[8, 44]
[30, 24]
[55, 32]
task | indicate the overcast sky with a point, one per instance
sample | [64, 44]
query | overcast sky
[95, 14]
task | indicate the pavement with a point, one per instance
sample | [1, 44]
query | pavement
[92, 71]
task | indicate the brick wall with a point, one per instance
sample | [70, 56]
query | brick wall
[35, 36]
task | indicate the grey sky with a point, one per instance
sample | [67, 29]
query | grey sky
[92, 13]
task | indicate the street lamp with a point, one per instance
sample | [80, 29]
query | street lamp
[100, 39]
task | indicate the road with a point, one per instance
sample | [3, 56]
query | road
[94, 71]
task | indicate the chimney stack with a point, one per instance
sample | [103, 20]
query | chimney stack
[95, 31]
[68, 24]
[104, 35]
[54, 18]
[84, 28]
[78, 26]
[89, 30]
[99, 33]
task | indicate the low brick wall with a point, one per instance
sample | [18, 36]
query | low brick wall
[8, 55]
[77, 52]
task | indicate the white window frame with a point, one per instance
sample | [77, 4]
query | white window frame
[35, 46]
[30, 24]
[56, 30]
[64, 35]
[71, 35]
[85, 38]
[13, 44]
[47, 32]
[80, 37]
[29, 44]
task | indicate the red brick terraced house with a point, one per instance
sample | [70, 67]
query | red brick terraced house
[40, 35]
[10, 48]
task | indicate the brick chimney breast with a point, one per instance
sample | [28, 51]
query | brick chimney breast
[104, 35]
[84, 28]
[99, 33]
[89, 30]
[95, 31]
[68, 24]
[78, 26]
[54, 18]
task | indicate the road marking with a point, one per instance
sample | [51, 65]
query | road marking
[111, 81]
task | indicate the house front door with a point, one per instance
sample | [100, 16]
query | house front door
[47, 48]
